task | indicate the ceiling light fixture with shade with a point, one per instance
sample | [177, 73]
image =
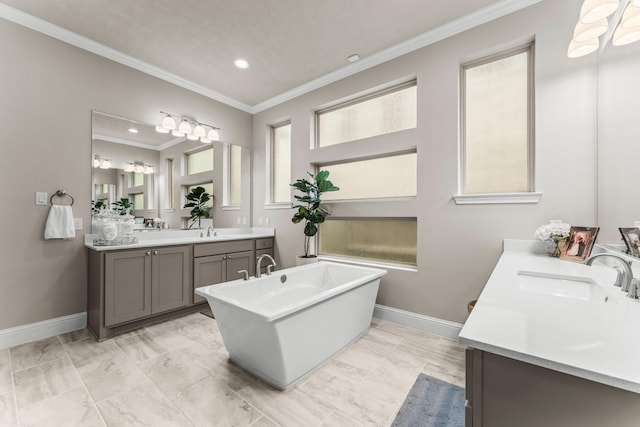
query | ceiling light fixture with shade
[189, 127]
[612, 19]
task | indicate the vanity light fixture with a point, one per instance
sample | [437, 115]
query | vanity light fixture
[138, 167]
[594, 22]
[99, 162]
[191, 128]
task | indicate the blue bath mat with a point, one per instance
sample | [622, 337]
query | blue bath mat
[432, 403]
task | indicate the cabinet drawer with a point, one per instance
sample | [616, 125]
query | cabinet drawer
[264, 243]
[206, 249]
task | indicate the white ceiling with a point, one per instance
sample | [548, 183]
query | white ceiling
[292, 45]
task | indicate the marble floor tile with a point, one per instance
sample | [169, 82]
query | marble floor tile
[211, 403]
[6, 380]
[141, 347]
[88, 351]
[173, 372]
[111, 375]
[81, 334]
[287, 408]
[338, 419]
[45, 381]
[264, 421]
[8, 413]
[383, 337]
[71, 409]
[37, 352]
[144, 405]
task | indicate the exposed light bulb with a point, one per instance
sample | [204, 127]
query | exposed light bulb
[241, 63]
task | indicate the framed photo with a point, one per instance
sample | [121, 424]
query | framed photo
[631, 237]
[580, 243]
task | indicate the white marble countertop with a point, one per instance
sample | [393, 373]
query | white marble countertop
[180, 237]
[578, 334]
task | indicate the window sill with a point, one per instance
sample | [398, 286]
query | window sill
[231, 208]
[368, 263]
[286, 205]
[498, 198]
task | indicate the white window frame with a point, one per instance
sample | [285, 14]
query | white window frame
[530, 196]
[269, 168]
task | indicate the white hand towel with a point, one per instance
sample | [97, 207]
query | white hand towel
[59, 223]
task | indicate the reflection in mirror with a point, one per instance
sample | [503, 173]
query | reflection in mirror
[618, 130]
[156, 171]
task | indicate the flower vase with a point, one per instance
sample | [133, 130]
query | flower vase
[554, 247]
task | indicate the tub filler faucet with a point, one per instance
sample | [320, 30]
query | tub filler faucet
[269, 267]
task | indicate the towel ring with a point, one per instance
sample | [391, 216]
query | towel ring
[61, 193]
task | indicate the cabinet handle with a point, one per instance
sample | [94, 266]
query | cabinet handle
[155, 252]
[224, 257]
[148, 252]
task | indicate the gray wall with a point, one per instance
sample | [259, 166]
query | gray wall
[49, 89]
[459, 245]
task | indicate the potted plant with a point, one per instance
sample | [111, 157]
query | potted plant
[198, 198]
[123, 206]
[309, 209]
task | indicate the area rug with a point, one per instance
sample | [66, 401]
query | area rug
[207, 312]
[432, 403]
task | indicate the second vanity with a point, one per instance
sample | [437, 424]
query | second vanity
[134, 285]
[552, 343]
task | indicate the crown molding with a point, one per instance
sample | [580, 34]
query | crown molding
[464, 23]
[49, 29]
[474, 19]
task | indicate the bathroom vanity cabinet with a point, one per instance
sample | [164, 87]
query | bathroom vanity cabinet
[220, 262]
[130, 287]
[504, 392]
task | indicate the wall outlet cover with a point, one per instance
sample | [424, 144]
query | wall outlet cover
[41, 198]
[77, 223]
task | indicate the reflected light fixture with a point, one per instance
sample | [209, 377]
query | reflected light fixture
[594, 22]
[189, 127]
[99, 162]
[241, 63]
[138, 167]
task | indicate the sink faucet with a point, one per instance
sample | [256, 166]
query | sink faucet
[209, 230]
[624, 278]
[260, 258]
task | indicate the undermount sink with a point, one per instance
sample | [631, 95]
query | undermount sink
[563, 286]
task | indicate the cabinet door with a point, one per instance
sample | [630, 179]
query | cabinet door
[265, 262]
[239, 261]
[208, 270]
[171, 287]
[127, 286]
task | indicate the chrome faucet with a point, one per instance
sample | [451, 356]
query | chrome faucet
[209, 230]
[269, 267]
[624, 278]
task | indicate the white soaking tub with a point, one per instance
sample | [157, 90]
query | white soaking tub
[280, 327]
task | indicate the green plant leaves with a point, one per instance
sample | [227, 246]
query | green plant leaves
[198, 197]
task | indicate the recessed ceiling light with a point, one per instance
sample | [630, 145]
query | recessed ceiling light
[133, 130]
[353, 58]
[241, 63]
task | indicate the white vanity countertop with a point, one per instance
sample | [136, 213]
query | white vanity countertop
[581, 334]
[180, 237]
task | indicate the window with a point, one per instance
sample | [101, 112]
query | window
[235, 175]
[497, 108]
[392, 176]
[137, 179]
[387, 240]
[200, 161]
[137, 201]
[380, 113]
[208, 187]
[171, 201]
[281, 163]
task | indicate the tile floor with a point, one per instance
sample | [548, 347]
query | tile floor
[177, 373]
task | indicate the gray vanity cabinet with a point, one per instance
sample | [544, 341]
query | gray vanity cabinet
[143, 282]
[220, 262]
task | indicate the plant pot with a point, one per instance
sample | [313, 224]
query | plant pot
[302, 260]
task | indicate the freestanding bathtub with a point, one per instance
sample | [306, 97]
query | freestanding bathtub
[280, 327]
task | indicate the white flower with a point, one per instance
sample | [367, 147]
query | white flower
[553, 230]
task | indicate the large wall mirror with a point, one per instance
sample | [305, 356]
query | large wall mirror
[155, 171]
[618, 132]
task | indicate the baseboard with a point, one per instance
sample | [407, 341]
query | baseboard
[432, 325]
[39, 330]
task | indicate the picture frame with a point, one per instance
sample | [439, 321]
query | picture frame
[580, 243]
[631, 237]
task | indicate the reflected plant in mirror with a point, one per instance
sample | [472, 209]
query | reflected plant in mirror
[198, 198]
